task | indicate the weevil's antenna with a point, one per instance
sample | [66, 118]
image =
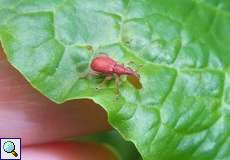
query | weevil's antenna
[138, 66]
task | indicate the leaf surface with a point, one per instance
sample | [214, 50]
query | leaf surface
[183, 110]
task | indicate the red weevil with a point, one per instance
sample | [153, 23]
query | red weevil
[105, 65]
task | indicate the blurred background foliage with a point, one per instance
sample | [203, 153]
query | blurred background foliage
[112, 139]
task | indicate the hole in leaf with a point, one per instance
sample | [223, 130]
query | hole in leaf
[134, 81]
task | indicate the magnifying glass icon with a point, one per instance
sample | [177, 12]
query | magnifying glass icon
[9, 147]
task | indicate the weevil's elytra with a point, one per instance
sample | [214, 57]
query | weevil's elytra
[103, 64]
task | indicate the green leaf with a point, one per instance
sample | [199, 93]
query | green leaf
[183, 110]
[123, 149]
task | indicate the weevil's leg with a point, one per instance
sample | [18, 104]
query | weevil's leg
[107, 78]
[93, 73]
[117, 83]
[83, 75]
[87, 74]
